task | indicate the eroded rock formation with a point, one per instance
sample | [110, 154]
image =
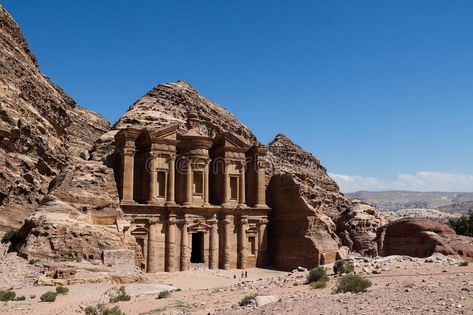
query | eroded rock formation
[41, 127]
[422, 238]
[357, 227]
[316, 187]
[298, 234]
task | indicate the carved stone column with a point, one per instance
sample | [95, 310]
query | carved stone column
[242, 242]
[128, 167]
[171, 243]
[262, 241]
[206, 185]
[171, 182]
[242, 193]
[261, 186]
[226, 183]
[213, 255]
[153, 262]
[153, 183]
[184, 246]
[189, 192]
[227, 236]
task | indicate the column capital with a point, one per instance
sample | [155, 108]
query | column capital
[130, 151]
[244, 219]
[172, 219]
[212, 221]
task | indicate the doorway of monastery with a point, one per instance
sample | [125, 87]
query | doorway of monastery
[197, 251]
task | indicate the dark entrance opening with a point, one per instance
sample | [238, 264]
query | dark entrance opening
[197, 256]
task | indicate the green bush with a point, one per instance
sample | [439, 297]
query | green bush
[7, 295]
[121, 297]
[32, 296]
[33, 261]
[343, 266]
[320, 284]
[102, 309]
[247, 300]
[48, 297]
[62, 290]
[91, 310]
[8, 236]
[352, 283]
[164, 294]
[464, 264]
[317, 274]
[21, 298]
[463, 225]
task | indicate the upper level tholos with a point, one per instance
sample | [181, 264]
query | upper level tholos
[166, 168]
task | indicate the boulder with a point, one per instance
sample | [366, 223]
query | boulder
[423, 238]
[358, 225]
[262, 300]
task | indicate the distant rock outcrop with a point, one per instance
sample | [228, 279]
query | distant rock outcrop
[41, 127]
[422, 238]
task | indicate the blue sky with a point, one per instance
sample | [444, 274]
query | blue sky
[380, 91]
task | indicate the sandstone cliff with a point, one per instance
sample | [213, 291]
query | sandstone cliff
[41, 128]
[316, 187]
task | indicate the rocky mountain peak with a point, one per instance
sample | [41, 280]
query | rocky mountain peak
[12, 34]
[294, 156]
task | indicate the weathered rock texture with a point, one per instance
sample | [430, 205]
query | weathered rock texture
[41, 127]
[65, 236]
[317, 188]
[78, 219]
[357, 227]
[422, 238]
[305, 204]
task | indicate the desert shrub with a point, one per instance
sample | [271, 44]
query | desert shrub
[343, 266]
[102, 309]
[91, 310]
[7, 295]
[317, 274]
[247, 300]
[352, 283]
[62, 290]
[319, 284]
[121, 297]
[8, 236]
[463, 225]
[48, 297]
[164, 294]
[33, 261]
[32, 296]
[464, 264]
[21, 298]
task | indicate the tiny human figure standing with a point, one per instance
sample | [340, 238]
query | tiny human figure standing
[246, 274]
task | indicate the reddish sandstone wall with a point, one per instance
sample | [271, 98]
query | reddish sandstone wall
[298, 235]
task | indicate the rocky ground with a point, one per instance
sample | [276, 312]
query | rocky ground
[401, 285]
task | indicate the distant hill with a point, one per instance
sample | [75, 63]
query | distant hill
[396, 200]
